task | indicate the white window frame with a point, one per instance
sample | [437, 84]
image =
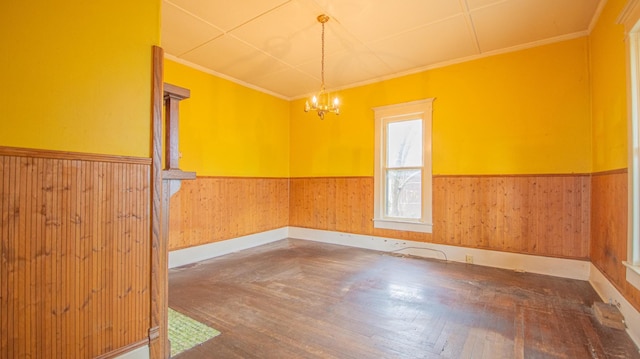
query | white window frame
[421, 109]
[630, 18]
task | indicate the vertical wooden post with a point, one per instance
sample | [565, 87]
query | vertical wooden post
[172, 97]
[171, 134]
[163, 95]
[158, 338]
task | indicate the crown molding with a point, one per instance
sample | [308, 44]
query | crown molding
[184, 62]
[596, 15]
[630, 15]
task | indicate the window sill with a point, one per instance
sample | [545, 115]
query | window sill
[633, 274]
[403, 226]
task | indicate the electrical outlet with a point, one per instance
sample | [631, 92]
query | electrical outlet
[468, 258]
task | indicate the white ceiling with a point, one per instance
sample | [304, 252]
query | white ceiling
[274, 45]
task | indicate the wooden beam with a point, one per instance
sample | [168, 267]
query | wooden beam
[177, 92]
[158, 336]
[177, 175]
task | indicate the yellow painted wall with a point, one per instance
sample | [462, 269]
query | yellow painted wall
[525, 112]
[230, 130]
[75, 75]
[609, 91]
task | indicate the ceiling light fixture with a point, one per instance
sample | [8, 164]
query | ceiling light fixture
[322, 102]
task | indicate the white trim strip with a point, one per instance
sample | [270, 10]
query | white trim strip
[629, 16]
[630, 19]
[610, 294]
[558, 267]
[446, 63]
[184, 62]
[481, 55]
[140, 353]
[190, 255]
[403, 225]
[632, 274]
[596, 15]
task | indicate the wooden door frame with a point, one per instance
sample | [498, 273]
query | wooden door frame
[169, 96]
[158, 325]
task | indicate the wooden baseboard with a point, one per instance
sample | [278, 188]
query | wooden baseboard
[558, 267]
[609, 294]
[124, 352]
[194, 254]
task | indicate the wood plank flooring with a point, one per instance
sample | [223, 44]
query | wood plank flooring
[301, 299]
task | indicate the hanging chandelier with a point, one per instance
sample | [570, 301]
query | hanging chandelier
[322, 101]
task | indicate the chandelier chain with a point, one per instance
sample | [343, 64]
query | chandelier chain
[322, 68]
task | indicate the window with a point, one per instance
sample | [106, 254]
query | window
[630, 19]
[402, 179]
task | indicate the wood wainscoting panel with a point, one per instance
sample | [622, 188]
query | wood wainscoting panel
[212, 209]
[609, 230]
[74, 256]
[540, 215]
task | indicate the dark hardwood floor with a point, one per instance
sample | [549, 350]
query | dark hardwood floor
[301, 299]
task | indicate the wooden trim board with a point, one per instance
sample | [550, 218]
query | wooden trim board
[66, 155]
[158, 344]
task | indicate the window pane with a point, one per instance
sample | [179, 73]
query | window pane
[404, 194]
[404, 144]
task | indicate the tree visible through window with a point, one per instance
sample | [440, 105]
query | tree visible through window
[404, 169]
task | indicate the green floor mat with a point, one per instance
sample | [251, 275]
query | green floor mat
[185, 333]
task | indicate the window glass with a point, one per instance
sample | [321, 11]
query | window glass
[404, 194]
[404, 144]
